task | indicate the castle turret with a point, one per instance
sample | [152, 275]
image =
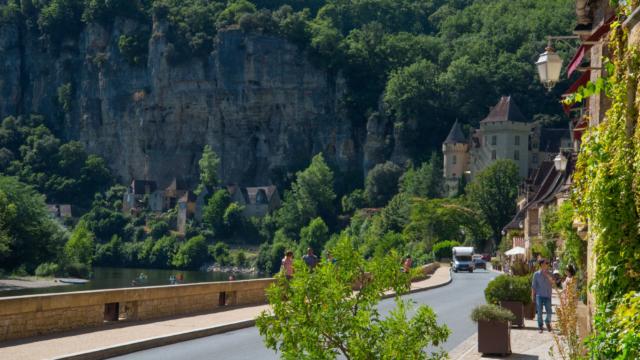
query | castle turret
[456, 158]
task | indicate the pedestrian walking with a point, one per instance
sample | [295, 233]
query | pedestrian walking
[541, 293]
[406, 265]
[310, 259]
[287, 265]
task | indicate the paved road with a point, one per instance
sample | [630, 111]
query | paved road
[452, 303]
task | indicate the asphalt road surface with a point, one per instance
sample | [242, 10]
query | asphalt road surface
[452, 304]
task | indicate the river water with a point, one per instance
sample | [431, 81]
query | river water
[110, 278]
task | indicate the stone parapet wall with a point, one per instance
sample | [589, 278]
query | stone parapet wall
[25, 316]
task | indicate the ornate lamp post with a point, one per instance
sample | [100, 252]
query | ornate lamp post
[560, 162]
[549, 65]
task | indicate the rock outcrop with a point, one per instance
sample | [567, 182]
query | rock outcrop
[256, 99]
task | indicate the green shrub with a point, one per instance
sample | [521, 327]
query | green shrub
[133, 47]
[490, 312]
[240, 258]
[47, 269]
[508, 288]
[442, 249]
[192, 254]
[220, 253]
[159, 229]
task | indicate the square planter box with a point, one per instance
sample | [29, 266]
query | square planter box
[494, 337]
[530, 311]
[517, 309]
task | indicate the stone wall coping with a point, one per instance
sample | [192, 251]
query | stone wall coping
[42, 302]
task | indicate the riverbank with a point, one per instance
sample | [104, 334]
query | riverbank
[28, 282]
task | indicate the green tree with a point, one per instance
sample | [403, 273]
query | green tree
[354, 201]
[220, 253]
[7, 216]
[493, 192]
[233, 219]
[425, 181]
[208, 164]
[80, 247]
[311, 196]
[317, 314]
[162, 252]
[214, 211]
[28, 235]
[314, 235]
[382, 183]
[192, 254]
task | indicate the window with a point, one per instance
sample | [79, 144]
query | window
[454, 160]
[534, 158]
[493, 154]
[516, 155]
[517, 140]
[494, 140]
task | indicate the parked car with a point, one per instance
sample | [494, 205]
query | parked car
[486, 257]
[479, 263]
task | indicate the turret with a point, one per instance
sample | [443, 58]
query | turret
[455, 150]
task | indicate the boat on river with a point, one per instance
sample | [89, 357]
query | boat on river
[73, 281]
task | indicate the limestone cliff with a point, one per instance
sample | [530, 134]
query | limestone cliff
[256, 99]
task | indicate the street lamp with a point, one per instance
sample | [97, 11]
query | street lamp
[549, 66]
[560, 162]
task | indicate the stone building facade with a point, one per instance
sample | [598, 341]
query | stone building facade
[504, 134]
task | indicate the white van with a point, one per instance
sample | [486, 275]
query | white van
[462, 259]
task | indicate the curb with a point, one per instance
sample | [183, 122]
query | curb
[150, 343]
[134, 346]
[413, 291]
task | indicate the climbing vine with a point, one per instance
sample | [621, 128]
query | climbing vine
[607, 193]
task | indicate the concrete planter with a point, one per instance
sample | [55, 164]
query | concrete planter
[517, 309]
[494, 337]
[530, 311]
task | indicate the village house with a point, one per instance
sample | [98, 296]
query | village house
[504, 133]
[139, 192]
[257, 201]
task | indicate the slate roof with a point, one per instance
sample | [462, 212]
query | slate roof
[456, 136]
[505, 110]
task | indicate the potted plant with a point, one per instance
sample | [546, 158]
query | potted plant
[529, 306]
[494, 335]
[510, 292]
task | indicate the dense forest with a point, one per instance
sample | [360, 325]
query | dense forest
[421, 63]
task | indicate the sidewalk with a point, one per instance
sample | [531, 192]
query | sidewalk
[526, 343]
[150, 334]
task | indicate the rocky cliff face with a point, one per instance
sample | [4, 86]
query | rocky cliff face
[257, 100]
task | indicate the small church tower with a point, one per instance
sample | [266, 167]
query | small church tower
[456, 159]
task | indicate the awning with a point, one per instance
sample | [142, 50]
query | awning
[577, 58]
[582, 80]
[515, 251]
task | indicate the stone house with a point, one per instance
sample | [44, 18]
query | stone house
[257, 201]
[172, 193]
[60, 211]
[134, 198]
[187, 205]
[190, 207]
[504, 133]
[546, 187]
